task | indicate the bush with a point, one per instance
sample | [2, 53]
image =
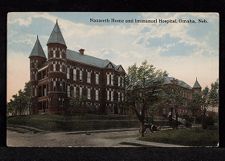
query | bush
[73, 123]
[208, 122]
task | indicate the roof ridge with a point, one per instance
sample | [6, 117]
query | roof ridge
[85, 54]
[87, 59]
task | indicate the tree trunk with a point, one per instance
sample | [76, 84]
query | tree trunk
[142, 129]
[204, 125]
[176, 118]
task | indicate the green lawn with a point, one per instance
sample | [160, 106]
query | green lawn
[189, 137]
[73, 123]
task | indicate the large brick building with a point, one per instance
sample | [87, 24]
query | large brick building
[172, 86]
[65, 74]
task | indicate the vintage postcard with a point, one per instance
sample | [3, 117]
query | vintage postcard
[113, 79]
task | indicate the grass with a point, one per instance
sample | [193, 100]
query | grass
[188, 137]
[73, 123]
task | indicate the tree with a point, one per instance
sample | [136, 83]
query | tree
[143, 89]
[201, 102]
[20, 103]
[214, 94]
[195, 105]
[76, 104]
[172, 98]
[204, 105]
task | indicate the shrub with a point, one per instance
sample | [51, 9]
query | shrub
[207, 122]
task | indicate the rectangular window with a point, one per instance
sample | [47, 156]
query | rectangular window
[74, 74]
[122, 82]
[118, 96]
[35, 76]
[71, 92]
[74, 91]
[107, 78]
[60, 54]
[96, 95]
[89, 93]
[68, 73]
[61, 86]
[96, 78]
[112, 80]
[54, 85]
[35, 91]
[107, 95]
[45, 91]
[111, 95]
[88, 77]
[122, 96]
[53, 53]
[118, 80]
[81, 75]
[80, 92]
[60, 68]
[68, 91]
[54, 67]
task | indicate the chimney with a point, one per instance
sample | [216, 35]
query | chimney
[81, 51]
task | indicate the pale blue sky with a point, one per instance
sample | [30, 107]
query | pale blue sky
[184, 50]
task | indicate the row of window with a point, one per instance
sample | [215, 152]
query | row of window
[110, 96]
[56, 49]
[78, 92]
[110, 80]
[56, 53]
[73, 91]
[80, 75]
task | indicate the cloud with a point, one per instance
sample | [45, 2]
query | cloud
[15, 18]
[184, 50]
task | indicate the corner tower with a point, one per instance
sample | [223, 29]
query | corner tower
[37, 59]
[196, 87]
[56, 71]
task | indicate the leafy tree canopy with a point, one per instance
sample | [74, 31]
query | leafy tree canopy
[143, 87]
[20, 102]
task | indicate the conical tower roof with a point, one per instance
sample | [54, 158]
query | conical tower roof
[197, 85]
[37, 49]
[56, 36]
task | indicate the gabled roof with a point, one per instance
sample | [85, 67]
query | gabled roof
[118, 67]
[56, 36]
[197, 85]
[37, 49]
[89, 60]
[169, 80]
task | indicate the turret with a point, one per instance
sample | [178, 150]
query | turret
[37, 59]
[56, 70]
[196, 87]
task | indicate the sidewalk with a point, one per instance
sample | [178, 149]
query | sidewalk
[101, 131]
[133, 141]
[24, 129]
